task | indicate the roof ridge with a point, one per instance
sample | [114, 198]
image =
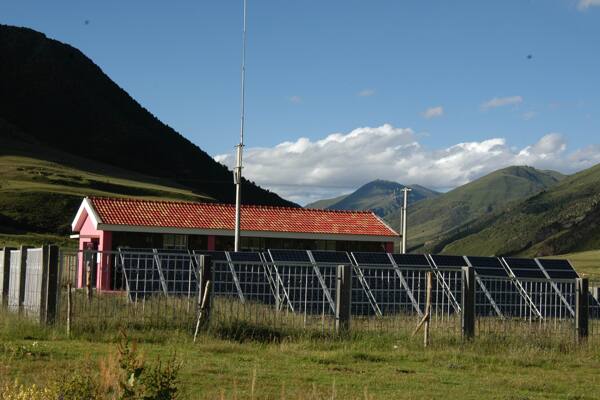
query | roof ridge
[262, 206]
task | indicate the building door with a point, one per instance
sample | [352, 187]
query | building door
[90, 263]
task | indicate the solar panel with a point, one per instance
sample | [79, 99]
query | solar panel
[142, 276]
[488, 266]
[558, 269]
[448, 261]
[555, 264]
[289, 256]
[215, 255]
[244, 256]
[411, 260]
[372, 258]
[524, 268]
[333, 257]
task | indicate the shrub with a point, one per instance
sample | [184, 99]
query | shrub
[139, 381]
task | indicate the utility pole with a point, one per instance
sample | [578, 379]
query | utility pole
[405, 205]
[237, 172]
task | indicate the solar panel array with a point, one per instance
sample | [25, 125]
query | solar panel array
[383, 283]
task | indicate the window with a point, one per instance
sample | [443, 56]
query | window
[171, 241]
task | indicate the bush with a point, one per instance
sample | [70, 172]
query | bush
[139, 381]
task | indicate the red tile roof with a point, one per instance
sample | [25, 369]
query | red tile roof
[147, 213]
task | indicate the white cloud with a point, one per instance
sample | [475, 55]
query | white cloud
[529, 115]
[295, 99]
[501, 101]
[433, 112]
[366, 93]
[585, 4]
[304, 170]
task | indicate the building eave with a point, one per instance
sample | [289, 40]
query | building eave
[230, 232]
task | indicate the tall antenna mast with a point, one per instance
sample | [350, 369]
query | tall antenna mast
[404, 207]
[237, 172]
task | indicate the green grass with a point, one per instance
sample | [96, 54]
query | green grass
[373, 366]
[243, 361]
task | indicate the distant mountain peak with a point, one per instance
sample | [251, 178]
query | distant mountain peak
[380, 196]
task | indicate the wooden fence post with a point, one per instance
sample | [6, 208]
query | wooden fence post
[582, 310]
[52, 284]
[206, 275]
[468, 302]
[343, 299]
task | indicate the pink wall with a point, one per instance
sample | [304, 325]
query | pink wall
[389, 247]
[211, 243]
[89, 233]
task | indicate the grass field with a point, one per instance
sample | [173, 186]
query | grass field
[586, 263]
[372, 366]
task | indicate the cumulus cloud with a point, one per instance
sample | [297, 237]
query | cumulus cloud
[585, 4]
[304, 170]
[366, 92]
[433, 112]
[501, 101]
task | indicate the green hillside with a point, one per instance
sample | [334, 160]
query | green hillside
[380, 196]
[562, 219]
[325, 203]
[38, 198]
[56, 97]
[431, 220]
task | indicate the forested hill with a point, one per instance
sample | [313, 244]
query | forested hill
[54, 95]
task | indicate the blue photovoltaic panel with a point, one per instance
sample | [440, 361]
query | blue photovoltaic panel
[411, 260]
[524, 268]
[372, 258]
[558, 269]
[215, 255]
[488, 266]
[555, 264]
[485, 262]
[289, 256]
[332, 257]
[522, 263]
[244, 256]
[448, 261]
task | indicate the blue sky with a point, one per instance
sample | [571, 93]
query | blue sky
[421, 78]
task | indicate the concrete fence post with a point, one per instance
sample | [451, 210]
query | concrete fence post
[51, 284]
[468, 302]
[4, 275]
[582, 310]
[204, 287]
[22, 275]
[343, 299]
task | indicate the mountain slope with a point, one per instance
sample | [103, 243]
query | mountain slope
[380, 196]
[564, 218]
[325, 203]
[432, 219]
[54, 96]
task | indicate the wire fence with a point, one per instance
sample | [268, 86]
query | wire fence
[151, 288]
